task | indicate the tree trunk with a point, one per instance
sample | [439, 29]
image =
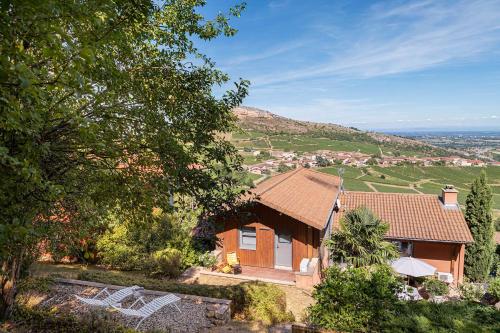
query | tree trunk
[11, 269]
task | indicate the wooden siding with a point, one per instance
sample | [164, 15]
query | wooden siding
[446, 257]
[305, 239]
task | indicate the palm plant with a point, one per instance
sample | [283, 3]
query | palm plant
[360, 240]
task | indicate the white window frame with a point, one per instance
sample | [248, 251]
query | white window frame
[245, 231]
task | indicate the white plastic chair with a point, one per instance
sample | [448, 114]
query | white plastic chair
[149, 308]
[111, 299]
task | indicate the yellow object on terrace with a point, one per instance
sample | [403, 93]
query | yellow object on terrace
[232, 259]
[226, 269]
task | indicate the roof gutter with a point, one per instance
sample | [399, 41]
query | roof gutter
[429, 240]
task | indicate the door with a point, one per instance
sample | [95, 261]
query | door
[283, 250]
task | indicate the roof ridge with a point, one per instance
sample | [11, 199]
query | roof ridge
[293, 172]
[394, 193]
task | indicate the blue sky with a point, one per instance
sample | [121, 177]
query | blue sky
[374, 65]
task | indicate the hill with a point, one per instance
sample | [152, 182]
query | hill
[263, 129]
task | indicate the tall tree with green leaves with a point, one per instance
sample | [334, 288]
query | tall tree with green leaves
[479, 255]
[106, 104]
[360, 240]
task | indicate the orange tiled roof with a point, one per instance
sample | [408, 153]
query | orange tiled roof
[304, 194]
[411, 216]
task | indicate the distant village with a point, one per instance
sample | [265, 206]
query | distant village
[279, 161]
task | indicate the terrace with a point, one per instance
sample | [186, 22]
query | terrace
[251, 273]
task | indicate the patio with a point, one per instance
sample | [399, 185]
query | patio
[260, 274]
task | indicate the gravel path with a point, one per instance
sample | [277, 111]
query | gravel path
[191, 319]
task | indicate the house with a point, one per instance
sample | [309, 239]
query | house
[286, 223]
[424, 226]
[294, 212]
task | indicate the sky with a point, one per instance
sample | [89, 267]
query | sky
[388, 65]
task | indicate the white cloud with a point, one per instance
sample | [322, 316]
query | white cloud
[394, 39]
[278, 3]
[269, 53]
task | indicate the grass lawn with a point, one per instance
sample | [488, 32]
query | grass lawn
[392, 189]
[387, 180]
[349, 172]
[356, 185]
[250, 160]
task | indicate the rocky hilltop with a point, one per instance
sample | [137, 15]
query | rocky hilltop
[254, 119]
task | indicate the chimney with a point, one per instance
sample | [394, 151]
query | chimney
[449, 195]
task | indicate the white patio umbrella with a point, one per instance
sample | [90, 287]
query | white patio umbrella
[413, 267]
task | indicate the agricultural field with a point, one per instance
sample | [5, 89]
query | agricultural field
[416, 179]
[304, 143]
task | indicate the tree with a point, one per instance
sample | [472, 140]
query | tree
[479, 255]
[355, 299]
[322, 161]
[104, 105]
[360, 240]
[282, 167]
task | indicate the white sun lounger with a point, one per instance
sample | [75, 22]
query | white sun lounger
[111, 299]
[149, 308]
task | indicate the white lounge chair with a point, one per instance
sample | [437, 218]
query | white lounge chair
[111, 299]
[149, 308]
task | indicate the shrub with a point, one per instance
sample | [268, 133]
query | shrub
[256, 300]
[357, 299]
[266, 303]
[429, 317]
[494, 288]
[39, 284]
[207, 259]
[117, 252]
[137, 245]
[436, 287]
[471, 292]
[165, 263]
[44, 321]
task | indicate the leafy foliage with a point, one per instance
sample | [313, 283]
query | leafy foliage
[429, 317]
[267, 304]
[471, 292]
[27, 319]
[360, 240]
[436, 287]
[282, 167]
[161, 245]
[166, 262]
[39, 284]
[356, 299]
[479, 255]
[106, 104]
[494, 288]
[207, 259]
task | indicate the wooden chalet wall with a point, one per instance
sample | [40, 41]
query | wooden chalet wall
[305, 239]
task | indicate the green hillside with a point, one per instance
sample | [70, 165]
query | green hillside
[417, 179]
[324, 140]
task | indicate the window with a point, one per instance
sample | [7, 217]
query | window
[287, 239]
[248, 238]
[404, 248]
